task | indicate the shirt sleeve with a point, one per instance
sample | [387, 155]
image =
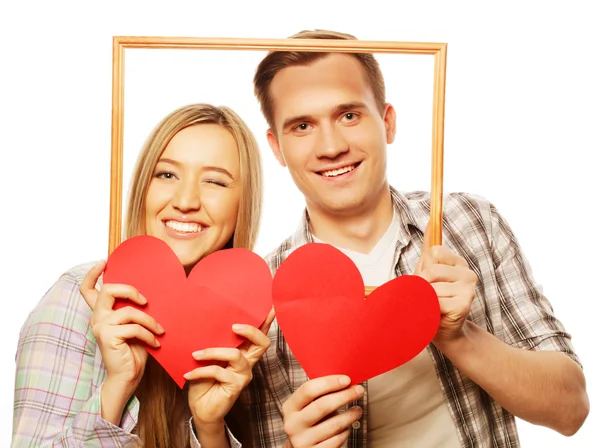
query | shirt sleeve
[194, 443]
[56, 402]
[528, 317]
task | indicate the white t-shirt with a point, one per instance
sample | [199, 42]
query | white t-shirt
[406, 407]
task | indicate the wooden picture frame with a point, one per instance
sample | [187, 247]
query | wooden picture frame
[120, 43]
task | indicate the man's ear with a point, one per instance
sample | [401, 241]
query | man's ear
[389, 118]
[275, 147]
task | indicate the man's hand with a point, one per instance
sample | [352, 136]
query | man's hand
[310, 417]
[454, 283]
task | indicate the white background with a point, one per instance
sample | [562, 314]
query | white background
[522, 123]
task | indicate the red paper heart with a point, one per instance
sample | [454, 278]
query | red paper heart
[318, 295]
[226, 287]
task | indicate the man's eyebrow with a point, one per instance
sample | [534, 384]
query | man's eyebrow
[296, 119]
[218, 169]
[336, 110]
[349, 106]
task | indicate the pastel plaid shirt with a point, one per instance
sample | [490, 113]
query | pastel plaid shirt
[59, 375]
[508, 304]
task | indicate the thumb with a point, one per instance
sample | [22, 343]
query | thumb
[424, 248]
[88, 285]
[427, 237]
[268, 321]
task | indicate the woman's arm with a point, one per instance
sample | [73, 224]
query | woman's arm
[56, 402]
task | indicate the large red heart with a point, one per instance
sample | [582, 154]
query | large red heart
[226, 287]
[318, 295]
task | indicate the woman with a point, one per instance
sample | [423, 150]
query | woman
[81, 377]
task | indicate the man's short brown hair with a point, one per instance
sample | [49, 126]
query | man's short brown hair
[278, 60]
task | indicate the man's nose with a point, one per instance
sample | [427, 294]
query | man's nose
[332, 142]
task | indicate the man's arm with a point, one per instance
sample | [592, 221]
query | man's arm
[530, 374]
[542, 387]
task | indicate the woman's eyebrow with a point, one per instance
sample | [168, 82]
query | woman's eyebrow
[218, 169]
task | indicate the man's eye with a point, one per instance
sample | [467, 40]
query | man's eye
[302, 127]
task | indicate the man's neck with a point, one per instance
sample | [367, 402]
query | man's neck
[359, 231]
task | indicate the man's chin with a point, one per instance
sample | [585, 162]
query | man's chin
[343, 206]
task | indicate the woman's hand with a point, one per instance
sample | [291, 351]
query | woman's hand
[119, 334]
[213, 389]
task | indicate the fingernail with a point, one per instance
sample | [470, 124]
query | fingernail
[359, 389]
[186, 375]
[143, 299]
[237, 327]
[160, 328]
[157, 342]
[345, 380]
[355, 409]
[198, 353]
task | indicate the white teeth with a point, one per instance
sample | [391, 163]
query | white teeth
[337, 172]
[188, 227]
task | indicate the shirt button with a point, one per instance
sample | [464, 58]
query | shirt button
[356, 425]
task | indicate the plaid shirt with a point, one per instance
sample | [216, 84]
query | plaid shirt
[508, 304]
[60, 374]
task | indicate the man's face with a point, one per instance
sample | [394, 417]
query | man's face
[330, 134]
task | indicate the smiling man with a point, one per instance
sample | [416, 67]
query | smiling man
[500, 351]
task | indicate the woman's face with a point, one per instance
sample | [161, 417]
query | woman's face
[192, 201]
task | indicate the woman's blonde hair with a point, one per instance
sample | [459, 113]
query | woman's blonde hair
[162, 404]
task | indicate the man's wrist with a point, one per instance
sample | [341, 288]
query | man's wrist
[457, 346]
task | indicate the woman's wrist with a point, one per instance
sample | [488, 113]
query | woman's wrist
[114, 396]
[211, 434]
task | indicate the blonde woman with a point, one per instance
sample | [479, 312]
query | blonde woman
[81, 380]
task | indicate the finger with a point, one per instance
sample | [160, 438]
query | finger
[313, 389]
[88, 285]
[327, 404]
[441, 273]
[112, 291]
[445, 289]
[455, 309]
[443, 255]
[231, 356]
[135, 331]
[335, 441]
[212, 372]
[128, 314]
[335, 425]
[253, 334]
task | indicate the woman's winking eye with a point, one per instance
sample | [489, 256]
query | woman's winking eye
[216, 182]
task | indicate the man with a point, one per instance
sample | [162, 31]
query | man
[499, 352]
